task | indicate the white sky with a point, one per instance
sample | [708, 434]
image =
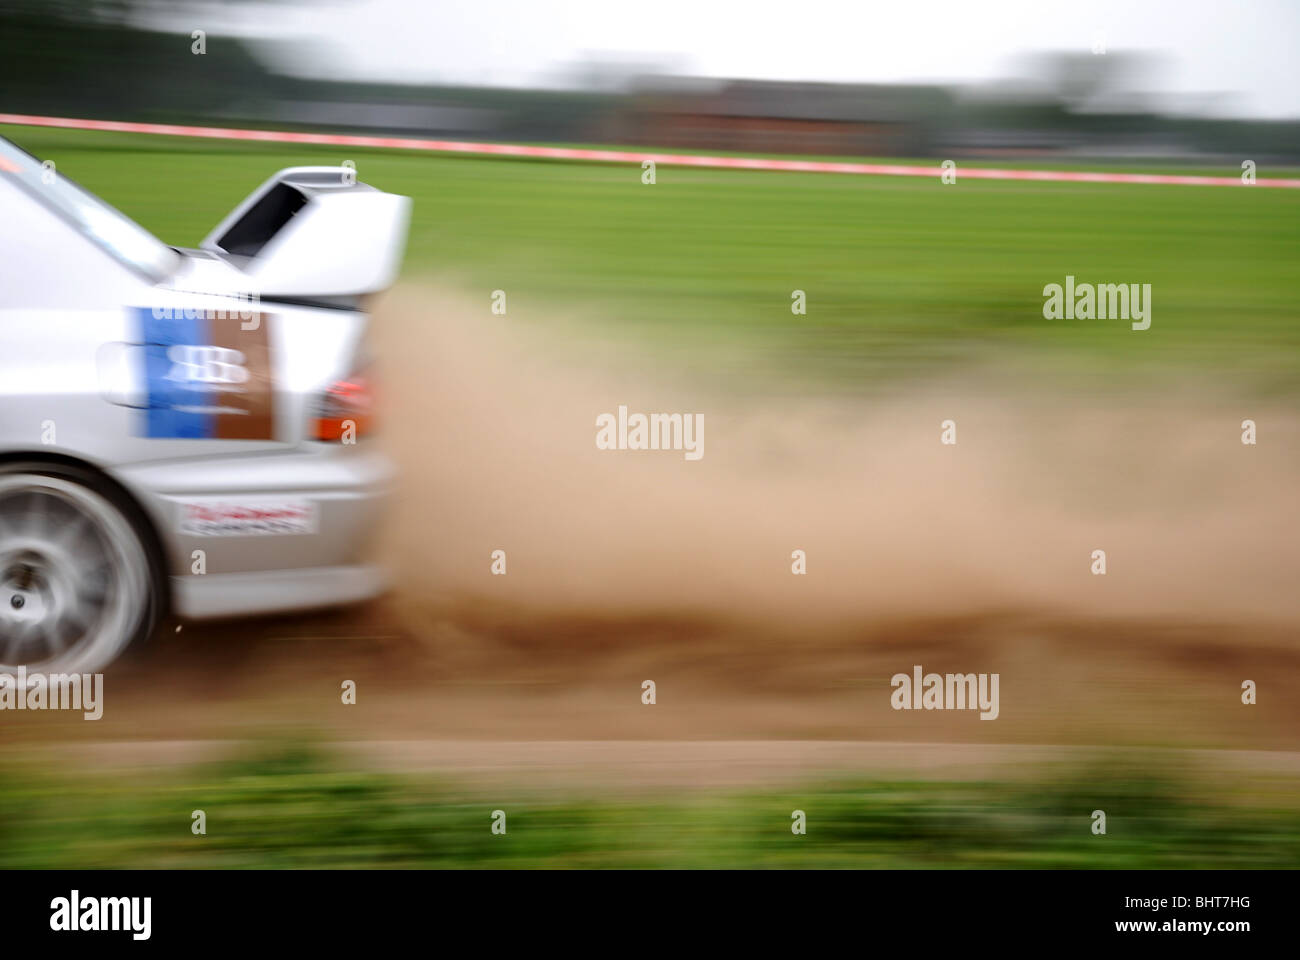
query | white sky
[1249, 49]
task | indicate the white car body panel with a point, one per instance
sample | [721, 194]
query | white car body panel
[73, 381]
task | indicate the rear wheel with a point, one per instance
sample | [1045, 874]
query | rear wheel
[77, 579]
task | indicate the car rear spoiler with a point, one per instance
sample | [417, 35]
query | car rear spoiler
[315, 232]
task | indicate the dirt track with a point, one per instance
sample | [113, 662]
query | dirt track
[466, 676]
[633, 566]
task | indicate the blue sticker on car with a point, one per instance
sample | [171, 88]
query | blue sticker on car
[207, 375]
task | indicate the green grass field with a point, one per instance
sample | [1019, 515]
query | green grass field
[292, 808]
[904, 277]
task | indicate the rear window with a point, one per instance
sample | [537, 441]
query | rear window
[110, 230]
[256, 227]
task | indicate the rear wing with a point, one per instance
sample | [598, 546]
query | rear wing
[315, 232]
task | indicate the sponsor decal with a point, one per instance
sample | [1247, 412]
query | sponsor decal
[207, 376]
[247, 518]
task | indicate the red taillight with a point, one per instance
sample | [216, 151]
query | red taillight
[345, 410]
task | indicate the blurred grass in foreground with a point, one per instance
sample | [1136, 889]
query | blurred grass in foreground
[904, 277]
[292, 808]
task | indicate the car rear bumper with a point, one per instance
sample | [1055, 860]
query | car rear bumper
[281, 591]
[236, 574]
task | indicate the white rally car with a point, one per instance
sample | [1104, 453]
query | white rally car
[183, 430]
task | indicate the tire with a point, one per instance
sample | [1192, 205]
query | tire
[79, 575]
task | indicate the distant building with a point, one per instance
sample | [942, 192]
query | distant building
[762, 116]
